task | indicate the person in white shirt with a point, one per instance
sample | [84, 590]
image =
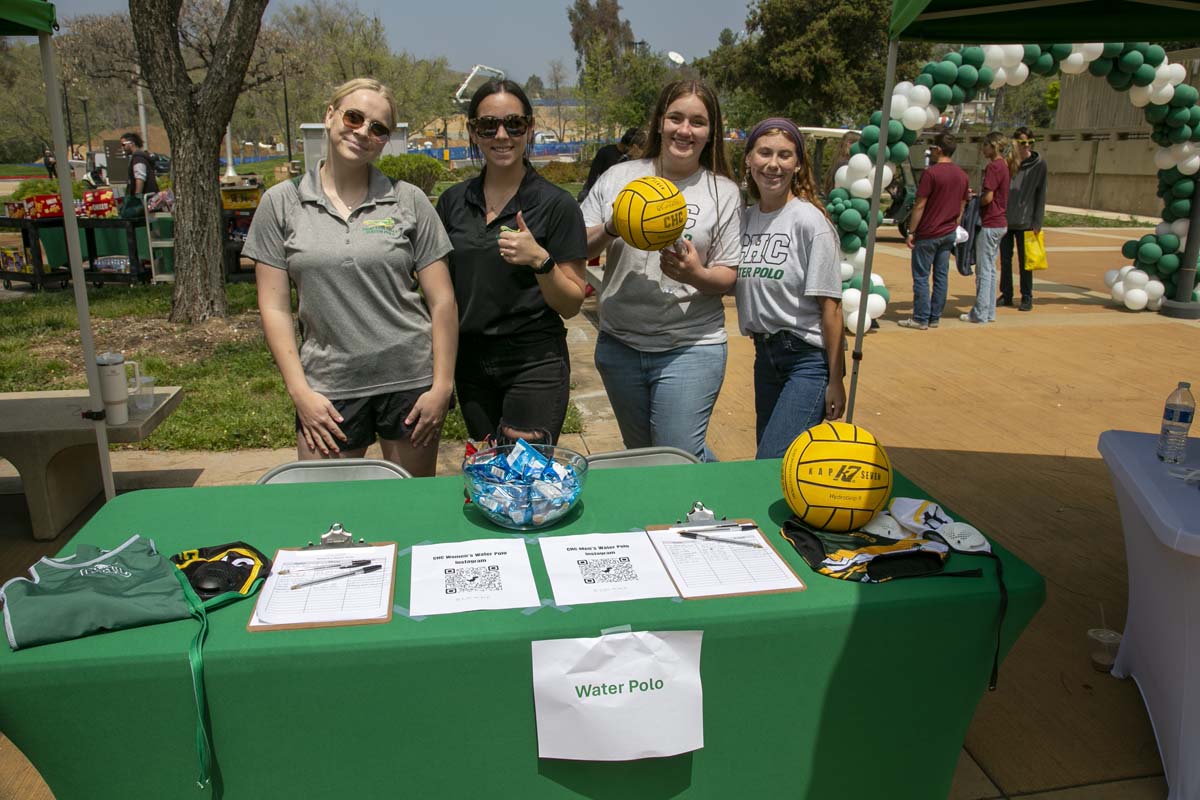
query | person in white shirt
[789, 291]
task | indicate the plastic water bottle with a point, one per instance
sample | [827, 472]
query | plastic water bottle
[1177, 418]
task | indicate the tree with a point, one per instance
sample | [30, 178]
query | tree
[599, 24]
[534, 86]
[558, 93]
[817, 61]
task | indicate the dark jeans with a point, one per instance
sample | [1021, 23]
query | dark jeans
[514, 383]
[1014, 239]
[790, 377]
[931, 256]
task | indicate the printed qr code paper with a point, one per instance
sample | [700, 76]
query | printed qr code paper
[619, 697]
[604, 567]
[471, 576]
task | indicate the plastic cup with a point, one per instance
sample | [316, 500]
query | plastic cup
[1103, 644]
[143, 395]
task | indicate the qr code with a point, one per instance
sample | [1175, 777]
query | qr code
[606, 570]
[473, 579]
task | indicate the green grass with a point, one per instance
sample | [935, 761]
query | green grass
[21, 170]
[1056, 220]
[234, 398]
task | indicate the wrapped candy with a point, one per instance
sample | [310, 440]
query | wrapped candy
[520, 487]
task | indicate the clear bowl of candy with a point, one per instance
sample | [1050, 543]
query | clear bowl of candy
[525, 486]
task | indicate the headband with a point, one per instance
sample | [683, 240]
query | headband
[783, 124]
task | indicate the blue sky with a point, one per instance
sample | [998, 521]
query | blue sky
[518, 36]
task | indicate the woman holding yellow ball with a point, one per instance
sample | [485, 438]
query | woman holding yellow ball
[789, 294]
[662, 345]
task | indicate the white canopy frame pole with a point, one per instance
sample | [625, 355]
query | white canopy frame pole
[71, 231]
[889, 82]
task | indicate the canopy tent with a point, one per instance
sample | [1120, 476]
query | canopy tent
[999, 22]
[37, 18]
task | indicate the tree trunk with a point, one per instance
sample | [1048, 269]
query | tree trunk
[199, 240]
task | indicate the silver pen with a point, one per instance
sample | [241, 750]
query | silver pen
[705, 532]
[363, 571]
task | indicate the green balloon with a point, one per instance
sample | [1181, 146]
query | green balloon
[929, 67]
[924, 79]
[957, 95]
[879, 217]
[1181, 207]
[1181, 134]
[1118, 79]
[1147, 239]
[1194, 116]
[954, 58]
[899, 152]
[855, 149]
[1185, 96]
[1168, 263]
[861, 205]
[1042, 65]
[1032, 53]
[1156, 113]
[1143, 75]
[873, 151]
[940, 96]
[876, 118]
[1169, 242]
[1155, 55]
[909, 136]
[1150, 253]
[973, 55]
[1060, 51]
[895, 131]
[1196, 295]
[1113, 49]
[839, 194]
[986, 76]
[1160, 139]
[1129, 249]
[851, 243]
[1141, 47]
[855, 282]
[1130, 61]
[1101, 67]
[945, 72]
[1168, 215]
[870, 135]
[863, 229]
[968, 76]
[1183, 188]
[882, 291]
[1178, 116]
[850, 218]
[1195, 133]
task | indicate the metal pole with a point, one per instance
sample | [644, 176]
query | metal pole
[889, 82]
[287, 119]
[141, 106]
[230, 172]
[1182, 306]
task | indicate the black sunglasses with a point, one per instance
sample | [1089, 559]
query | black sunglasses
[353, 119]
[488, 127]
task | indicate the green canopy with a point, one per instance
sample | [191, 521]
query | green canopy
[26, 17]
[1020, 21]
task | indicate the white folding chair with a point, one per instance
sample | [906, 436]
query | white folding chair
[641, 457]
[334, 469]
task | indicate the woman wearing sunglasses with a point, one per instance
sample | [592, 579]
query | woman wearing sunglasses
[1026, 208]
[375, 360]
[517, 268]
[662, 345]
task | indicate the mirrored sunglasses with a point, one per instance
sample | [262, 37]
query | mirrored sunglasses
[488, 127]
[353, 119]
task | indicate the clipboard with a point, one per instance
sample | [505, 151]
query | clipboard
[767, 543]
[339, 543]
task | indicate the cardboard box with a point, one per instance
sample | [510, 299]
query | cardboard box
[99, 203]
[43, 206]
[240, 199]
[14, 210]
[12, 259]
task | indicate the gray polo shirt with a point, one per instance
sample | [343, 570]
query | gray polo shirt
[365, 329]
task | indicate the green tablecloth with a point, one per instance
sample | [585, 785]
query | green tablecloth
[842, 690]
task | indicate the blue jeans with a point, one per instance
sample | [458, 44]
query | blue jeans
[790, 376]
[930, 254]
[987, 247]
[662, 399]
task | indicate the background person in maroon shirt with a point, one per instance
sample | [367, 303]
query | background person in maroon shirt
[993, 198]
[941, 197]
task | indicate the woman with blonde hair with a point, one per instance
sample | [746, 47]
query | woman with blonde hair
[375, 359]
[662, 344]
[993, 201]
[789, 291]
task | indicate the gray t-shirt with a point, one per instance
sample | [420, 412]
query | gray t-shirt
[365, 328]
[641, 307]
[790, 257]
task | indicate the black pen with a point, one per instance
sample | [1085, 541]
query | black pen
[694, 535]
[363, 571]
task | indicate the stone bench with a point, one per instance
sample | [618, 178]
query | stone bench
[53, 448]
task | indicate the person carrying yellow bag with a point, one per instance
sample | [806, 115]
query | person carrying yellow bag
[1026, 208]
[1035, 251]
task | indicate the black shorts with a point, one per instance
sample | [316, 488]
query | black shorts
[382, 415]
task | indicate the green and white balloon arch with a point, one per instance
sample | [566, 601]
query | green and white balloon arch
[1139, 68]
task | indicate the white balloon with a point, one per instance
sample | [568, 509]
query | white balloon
[876, 305]
[1180, 227]
[851, 321]
[1135, 279]
[888, 174]
[1190, 165]
[1154, 304]
[932, 115]
[902, 88]
[899, 105]
[1178, 74]
[1092, 50]
[1164, 226]
[1018, 75]
[1154, 289]
[847, 270]
[1186, 150]
[1013, 53]
[859, 166]
[1161, 94]
[1138, 95]
[1123, 271]
[861, 188]
[859, 259]
[850, 300]
[1162, 74]
[1073, 64]
[841, 178]
[877, 279]
[993, 56]
[1118, 291]
[1136, 299]
[914, 117]
[919, 96]
[1110, 277]
[1165, 158]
